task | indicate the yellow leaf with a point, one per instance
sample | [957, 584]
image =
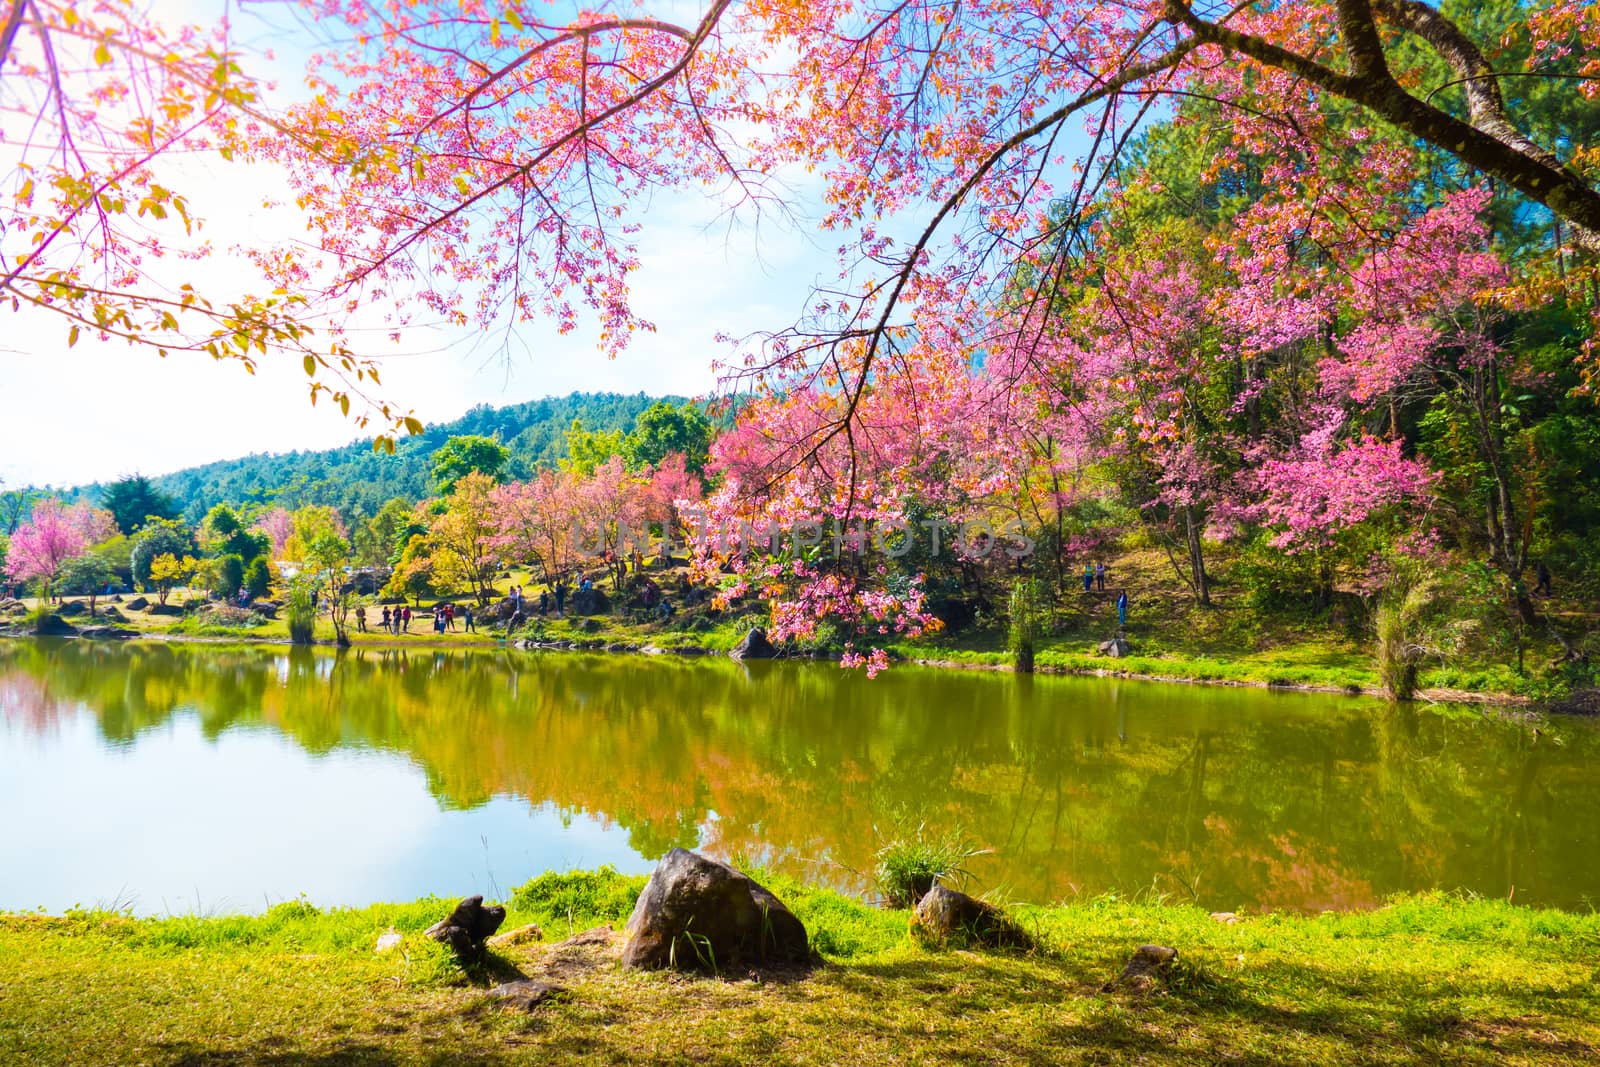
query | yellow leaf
[311, 366]
[72, 336]
[102, 54]
[413, 425]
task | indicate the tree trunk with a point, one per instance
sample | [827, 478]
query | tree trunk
[1197, 560]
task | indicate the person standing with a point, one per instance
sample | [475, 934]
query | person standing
[466, 620]
[361, 620]
[405, 619]
[1088, 577]
[1100, 576]
[561, 599]
[1122, 609]
[385, 620]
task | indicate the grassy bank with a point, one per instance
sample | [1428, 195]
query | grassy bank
[1424, 980]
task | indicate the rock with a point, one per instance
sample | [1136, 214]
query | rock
[71, 607]
[52, 625]
[754, 646]
[526, 994]
[520, 936]
[388, 941]
[163, 609]
[1116, 648]
[138, 603]
[105, 633]
[467, 927]
[697, 913]
[1226, 918]
[945, 914]
[265, 608]
[1147, 966]
[111, 614]
[116, 598]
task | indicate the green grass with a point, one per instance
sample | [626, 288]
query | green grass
[1425, 980]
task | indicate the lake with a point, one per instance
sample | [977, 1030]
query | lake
[199, 778]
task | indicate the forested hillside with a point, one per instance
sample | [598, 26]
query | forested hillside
[357, 480]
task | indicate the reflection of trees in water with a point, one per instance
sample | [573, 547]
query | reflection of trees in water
[1239, 796]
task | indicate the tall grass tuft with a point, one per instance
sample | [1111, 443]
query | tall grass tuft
[1400, 622]
[302, 617]
[1024, 632]
[908, 867]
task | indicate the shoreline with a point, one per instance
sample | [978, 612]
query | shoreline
[596, 646]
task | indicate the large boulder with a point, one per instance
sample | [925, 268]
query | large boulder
[163, 609]
[944, 914]
[755, 646]
[698, 914]
[467, 927]
[138, 603]
[72, 607]
[52, 625]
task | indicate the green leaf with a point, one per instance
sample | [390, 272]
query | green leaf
[310, 364]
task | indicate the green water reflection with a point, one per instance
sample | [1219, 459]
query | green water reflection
[1238, 798]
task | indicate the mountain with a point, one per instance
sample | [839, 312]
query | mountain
[357, 480]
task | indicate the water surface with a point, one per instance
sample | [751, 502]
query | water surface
[197, 778]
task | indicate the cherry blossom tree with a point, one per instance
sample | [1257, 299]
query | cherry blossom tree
[51, 536]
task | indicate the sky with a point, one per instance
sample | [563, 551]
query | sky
[97, 411]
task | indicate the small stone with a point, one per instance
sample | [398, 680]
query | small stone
[1147, 965]
[525, 994]
[1226, 918]
[388, 940]
[522, 935]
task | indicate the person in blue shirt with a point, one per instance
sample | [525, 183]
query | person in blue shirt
[1122, 608]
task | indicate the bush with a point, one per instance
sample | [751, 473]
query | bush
[227, 575]
[258, 577]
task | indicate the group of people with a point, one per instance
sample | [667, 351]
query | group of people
[1094, 576]
[398, 619]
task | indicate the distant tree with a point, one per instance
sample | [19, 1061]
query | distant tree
[309, 523]
[278, 526]
[224, 533]
[160, 537]
[13, 509]
[588, 449]
[328, 556]
[461, 541]
[413, 572]
[379, 541]
[661, 430]
[133, 500]
[86, 575]
[167, 572]
[463, 455]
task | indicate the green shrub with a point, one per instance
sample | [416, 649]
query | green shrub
[909, 867]
[258, 577]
